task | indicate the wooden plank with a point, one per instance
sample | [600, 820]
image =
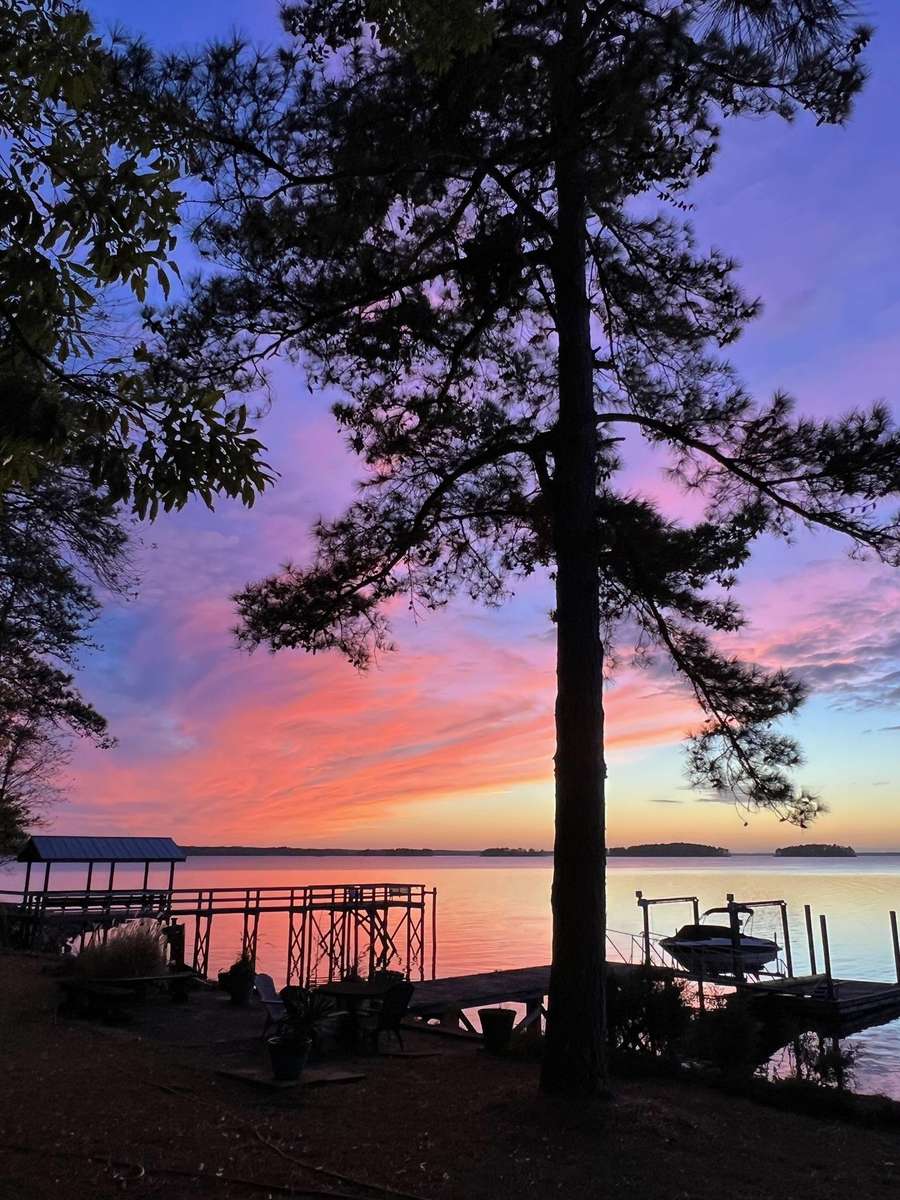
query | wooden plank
[521, 984]
[447, 997]
[435, 996]
[854, 1003]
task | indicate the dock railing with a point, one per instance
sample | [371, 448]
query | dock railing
[330, 930]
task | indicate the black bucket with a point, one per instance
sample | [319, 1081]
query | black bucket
[288, 1059]
[496, 1028]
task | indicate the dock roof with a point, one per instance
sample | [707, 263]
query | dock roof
[49, 848]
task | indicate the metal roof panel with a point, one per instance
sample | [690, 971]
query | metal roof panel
[63, 848]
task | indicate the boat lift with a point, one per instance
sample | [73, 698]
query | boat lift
[733, 908]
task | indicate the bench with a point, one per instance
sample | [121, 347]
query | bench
[177, 983]
[90, 998]
[110, 998]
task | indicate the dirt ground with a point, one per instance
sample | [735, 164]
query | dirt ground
[89, 1112]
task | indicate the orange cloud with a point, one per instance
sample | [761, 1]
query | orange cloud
[294, 748]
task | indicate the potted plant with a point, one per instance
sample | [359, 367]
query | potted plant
[238, 979]
[496, 1028]
[308, 1013]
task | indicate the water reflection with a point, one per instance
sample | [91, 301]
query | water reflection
[814, 1057]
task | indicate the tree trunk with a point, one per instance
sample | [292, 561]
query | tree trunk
[574, 1059]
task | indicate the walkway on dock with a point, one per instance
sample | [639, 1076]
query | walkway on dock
[838, 1002]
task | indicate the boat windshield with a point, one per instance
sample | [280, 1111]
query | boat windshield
[702, 933]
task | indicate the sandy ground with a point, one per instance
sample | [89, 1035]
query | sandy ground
[89, 1112]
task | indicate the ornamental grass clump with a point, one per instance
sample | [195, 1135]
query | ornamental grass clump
[133, 951]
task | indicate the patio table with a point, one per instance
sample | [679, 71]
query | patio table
[353, 992]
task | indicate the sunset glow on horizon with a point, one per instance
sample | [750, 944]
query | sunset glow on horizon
[448, 741]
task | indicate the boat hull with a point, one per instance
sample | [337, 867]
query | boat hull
[716, 957]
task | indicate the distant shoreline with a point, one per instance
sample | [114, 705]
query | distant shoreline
[668, 850]
[401, 852]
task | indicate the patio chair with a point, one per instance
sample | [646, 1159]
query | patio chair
[268, 998]
[385, 976]
[387, 1018]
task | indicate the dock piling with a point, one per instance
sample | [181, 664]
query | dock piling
[433, 939]
[646, 914]
[826, 954]
[810, 939]
[734, 922]
[786, 931]
[896, 941]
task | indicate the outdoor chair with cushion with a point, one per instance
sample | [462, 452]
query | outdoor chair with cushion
[268, 998]
[386, 1018]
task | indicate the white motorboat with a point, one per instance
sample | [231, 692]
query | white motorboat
[714, 950]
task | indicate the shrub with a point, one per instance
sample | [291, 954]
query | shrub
[729, 1036]
[241, 973]
[130, 951]
[646, 1014]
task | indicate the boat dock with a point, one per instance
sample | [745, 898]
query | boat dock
[839, 1003]
[447, 999]
[835, 1005]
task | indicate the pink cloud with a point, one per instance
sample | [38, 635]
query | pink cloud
[296, 748]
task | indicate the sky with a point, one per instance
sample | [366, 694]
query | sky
[449, 740]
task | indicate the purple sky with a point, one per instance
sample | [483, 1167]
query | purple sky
[449, 741]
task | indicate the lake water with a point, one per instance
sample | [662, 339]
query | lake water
[495, 913]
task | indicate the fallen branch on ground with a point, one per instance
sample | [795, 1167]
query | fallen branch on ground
[351, 1179]
[283, 1189]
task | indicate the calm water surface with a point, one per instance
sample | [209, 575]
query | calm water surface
[495, 914]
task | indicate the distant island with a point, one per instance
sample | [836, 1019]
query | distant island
[669, 850]
[648, 850]
[349, 852]
[513, 852]
[816, 850]
[313, 852]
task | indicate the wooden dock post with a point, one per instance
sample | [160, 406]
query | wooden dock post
[826, 954]
[734, 921]
[786, 930]
[645, 909]
[896, 940]
[433, 935]
[810, 939]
